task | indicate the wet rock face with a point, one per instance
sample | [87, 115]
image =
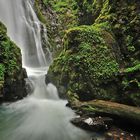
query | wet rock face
[15, 90]
[96, 124]
[104, 126]
[12, 83]
[50, 19]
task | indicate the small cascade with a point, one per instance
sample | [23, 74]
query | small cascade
[41, 90]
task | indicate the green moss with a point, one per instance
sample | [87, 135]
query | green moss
[39, 12]
[132, 69]
[104, 13]
[2, 71]
[72, 97]
[88, 108]
[10, 56]
[123, 17]
[93, 55]
[86, 62]
[66, 11]
[3, 30]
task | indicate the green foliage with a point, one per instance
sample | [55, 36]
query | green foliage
[132, 69]
[129, 44]
[86, 62]
[3, 30]
[66, 10]
[2, 71]
[124, 18]
[85, 5]
[61, 5]
[93, 55]
[9, 57]
[39, 13]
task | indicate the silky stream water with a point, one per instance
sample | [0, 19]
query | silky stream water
[41, 115]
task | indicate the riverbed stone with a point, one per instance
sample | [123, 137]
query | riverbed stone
[116, 133]
[96, 124]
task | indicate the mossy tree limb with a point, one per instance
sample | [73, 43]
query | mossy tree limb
[122, 111]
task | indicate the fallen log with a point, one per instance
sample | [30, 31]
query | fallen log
[126, 112]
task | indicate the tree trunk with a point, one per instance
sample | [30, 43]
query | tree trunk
[127, 112]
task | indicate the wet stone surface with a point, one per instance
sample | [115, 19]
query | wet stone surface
[103, 125]
[96, 124]
[118, 134]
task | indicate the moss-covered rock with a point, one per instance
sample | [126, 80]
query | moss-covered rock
[124, 18]
[100, 60]
[12, 84]
[58, 16]
[88, 64]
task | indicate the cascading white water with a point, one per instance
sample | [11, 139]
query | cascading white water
[24, 28]
[42, 115]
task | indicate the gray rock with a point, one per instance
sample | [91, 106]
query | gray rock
[96, 124]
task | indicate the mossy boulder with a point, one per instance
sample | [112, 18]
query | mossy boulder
[12, 84]
[101, 61]
[61, 15]
[88, 65]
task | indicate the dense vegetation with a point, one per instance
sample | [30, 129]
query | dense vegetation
[100, 55]
[11, 72]
[96, 49]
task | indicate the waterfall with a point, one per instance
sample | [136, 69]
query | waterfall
[25, 29]
[41, 115]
